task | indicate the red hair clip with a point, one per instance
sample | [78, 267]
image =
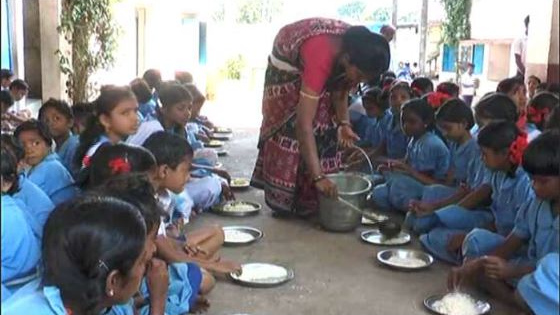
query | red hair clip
[436, 99]
[522, 121]
[538, 115]
[119, 165]
[517, 148]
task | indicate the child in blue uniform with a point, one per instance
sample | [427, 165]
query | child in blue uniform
[45, 168]
[395, 142]
[58, 117]
[20, 247]
[426, 162]
[116, 118]
[83, 273]
[536, 230]
[30, 198]
[501, 145]
[147, 107]
[494, 107]
[537, 292]
[539, 109]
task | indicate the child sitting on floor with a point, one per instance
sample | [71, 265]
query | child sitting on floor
[539, 109]
[20, 247]
[58, 117]
[502, 146]
[115, 119]
[44, 167]
[82, 113]
[535, 233]
[426, 161]
[147, 106]
[515, 88]
[421, 86]
[198, 102]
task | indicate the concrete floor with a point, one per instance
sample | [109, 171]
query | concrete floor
[334, 273]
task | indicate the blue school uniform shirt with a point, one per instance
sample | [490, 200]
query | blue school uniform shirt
[67, 151]
[148, 109]
[395, 140]
[477, 172]
[374, 131]
[35, 299]
[540, 288]
[53, 178]
[509, 194]
[428, 154]
[537, 224]
[35, 203]
[20, 247]
[460, 157]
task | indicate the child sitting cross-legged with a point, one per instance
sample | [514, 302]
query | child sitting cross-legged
[497, 262]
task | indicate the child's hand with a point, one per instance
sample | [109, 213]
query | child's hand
[222, 173]
[421, 208]
[400, 166]
[383, 168]
[455, 243]
[227, 193]
[193, 249]
[455, 278]
[226, 266]
[496, 268]
[158, 279]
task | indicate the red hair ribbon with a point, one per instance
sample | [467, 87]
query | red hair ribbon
[517, 148]
[119, 165]
[86, 161]
[436, 99]
[538, 115]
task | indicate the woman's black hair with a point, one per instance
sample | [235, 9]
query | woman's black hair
[423, 84]
[141, 89]
[37, 126]
[498, 135]
[535, 78]
[542, 156]
[115, 159]
[497, 106]
[9, 170]
[6, 99]
[171, 93]
[553, 122]
[423, 110]
[196, 95]
[153, 78]
[11, 144]
[366, 50]
[109, 98]
[448, 88]
[83, 241]
[509, 85]
[59, 105]
[542, 101]
[375, 94]
[137, 189]
[168, 149]
[456, 111]
[184, 77]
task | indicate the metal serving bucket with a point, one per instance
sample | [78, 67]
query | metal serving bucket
[334, 215]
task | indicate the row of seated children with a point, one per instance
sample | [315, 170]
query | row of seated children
[464, 192]
[13, 92]
[41, 179]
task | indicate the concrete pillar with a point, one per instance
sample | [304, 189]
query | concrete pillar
[542, 45]
[32, 48]
[53, 81]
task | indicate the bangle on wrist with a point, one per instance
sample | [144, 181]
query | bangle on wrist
[318, 178]
[343, 123]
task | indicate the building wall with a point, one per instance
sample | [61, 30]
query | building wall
[32, 47]
[498, 19]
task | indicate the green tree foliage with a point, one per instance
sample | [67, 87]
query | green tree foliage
[89, 28]
[353, 10]
[456, 26]
[382, 14]
[258, 11]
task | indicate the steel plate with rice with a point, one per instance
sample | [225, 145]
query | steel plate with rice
[221, 136]
[461, 303]
[237, 208]
[214, 144]
[405, 259]
[240, 183]
[262, 275]
[241, 235]
[375, 237]
[223, 130]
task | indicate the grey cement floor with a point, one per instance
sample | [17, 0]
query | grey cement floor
[335, 273]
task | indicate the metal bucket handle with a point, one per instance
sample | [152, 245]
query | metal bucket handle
[367, 157]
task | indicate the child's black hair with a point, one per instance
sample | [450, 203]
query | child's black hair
[456, 111]
[196, 95]
[389, 74]
[19, 84]
[115, 159]
[184, 77]
[553, 122]
[171, 93]
[137, 189]
[423, 110]
[59, 105]
[542, 156]
[448, 88]
[509, 85]
[543, 101]
[421, 86]
[82, 111]
[6, 74]
[153, 78]
[85, 240]
[376, 95]
[497, 106]
[9, 170]
[168, 149]
[535, 78]
[6, 99]
[109, 98]
[498, 135]
[11, 144]
[37, 126]
[403, 86]
[141, 89]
